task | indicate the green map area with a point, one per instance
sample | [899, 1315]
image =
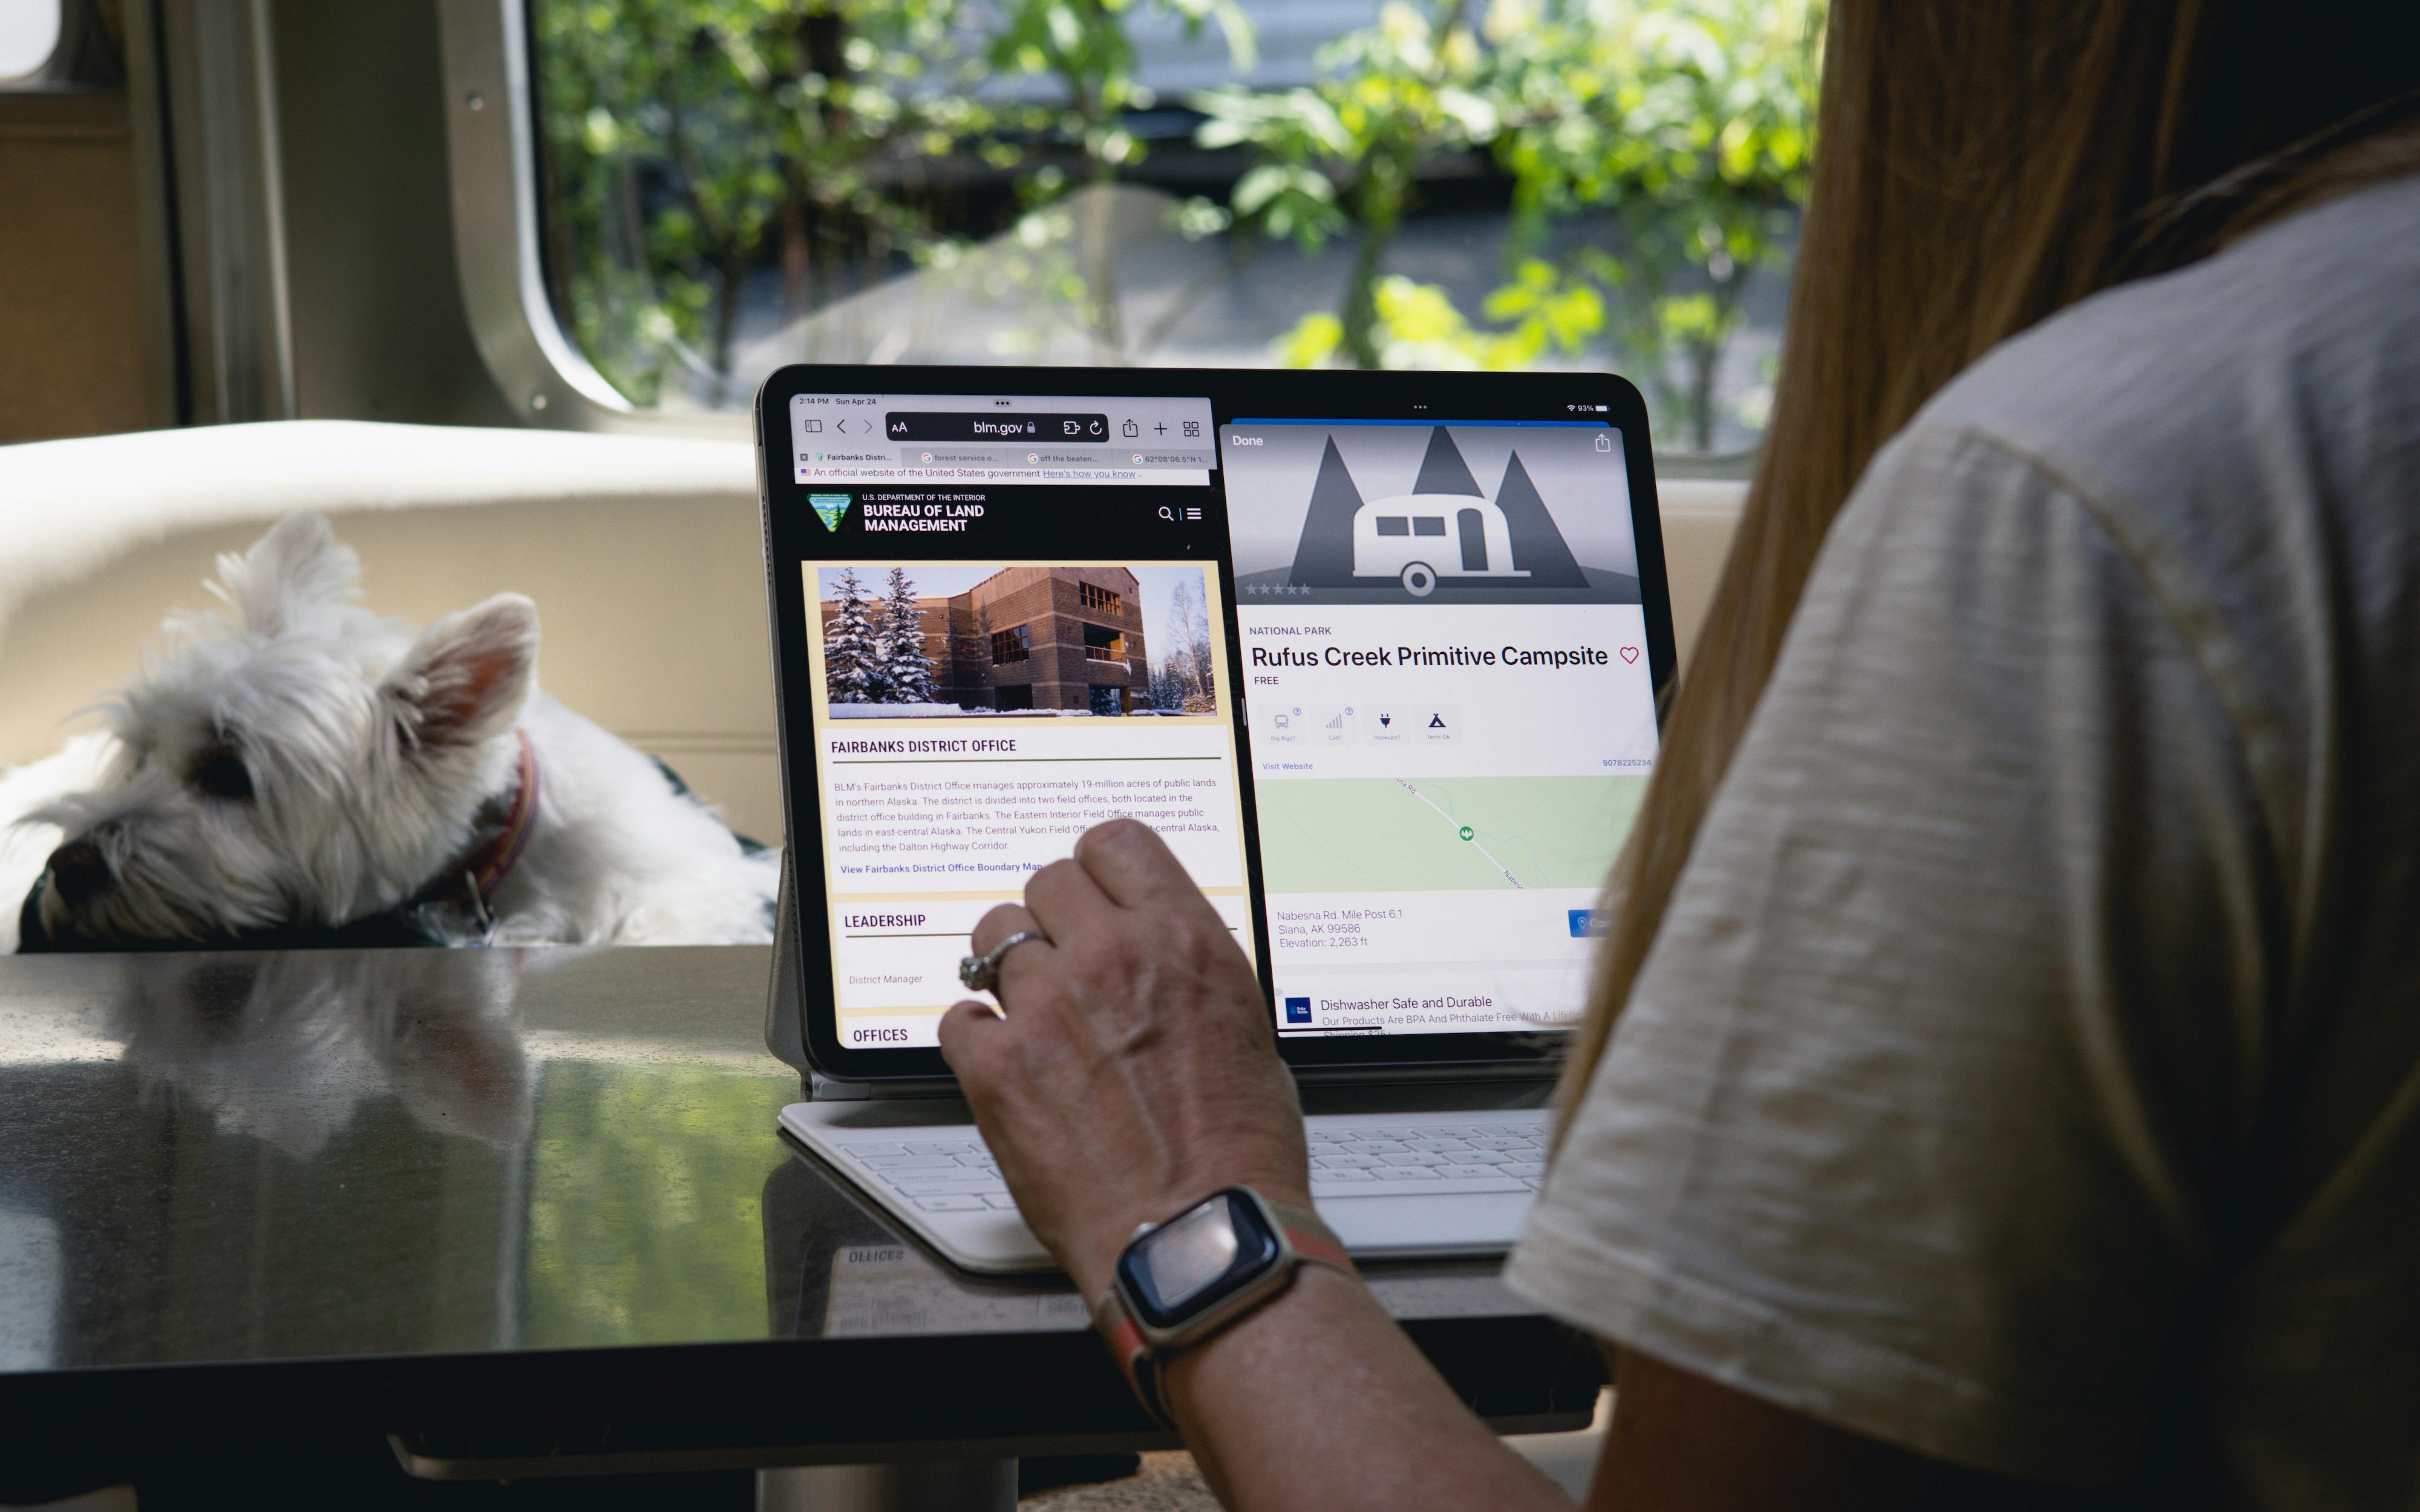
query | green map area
[1442, 834]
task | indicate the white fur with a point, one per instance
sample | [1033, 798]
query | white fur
[373, 754]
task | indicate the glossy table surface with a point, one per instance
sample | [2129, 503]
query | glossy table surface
[493, 1200]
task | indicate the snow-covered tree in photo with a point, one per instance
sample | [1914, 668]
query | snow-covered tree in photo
[906, 670]
[852, 657]
[1183, 680]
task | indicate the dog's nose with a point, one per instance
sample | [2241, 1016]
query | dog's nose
[79, 871]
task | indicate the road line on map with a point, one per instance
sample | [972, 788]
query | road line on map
[1473, 842]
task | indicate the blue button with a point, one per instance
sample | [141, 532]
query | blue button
[1297, 1010]
[1583, 923]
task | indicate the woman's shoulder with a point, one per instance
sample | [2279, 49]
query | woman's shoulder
[2282, 372]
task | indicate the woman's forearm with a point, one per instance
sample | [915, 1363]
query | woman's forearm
[1319, 1401]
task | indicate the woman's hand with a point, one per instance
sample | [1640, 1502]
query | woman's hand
[1134, 1068]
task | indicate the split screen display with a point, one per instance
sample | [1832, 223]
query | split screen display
[1400, 664]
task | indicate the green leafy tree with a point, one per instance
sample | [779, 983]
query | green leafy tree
[687, 138]
[1684, 128]
[1084, 46]
[1342, 154]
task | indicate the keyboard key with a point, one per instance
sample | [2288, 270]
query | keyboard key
[1475, 1173]
[1000, 1200]
[942, 1147]
[965, 1203]
[1535, 1183]
[1412, 1157]
[1485, 1157]
[861, 1151]
[1347, 1163]
[978, 1185]
[1437, 1146]
[1524, 1167]
[1374, 1147]
[912, 1163]
[1344, 1178]
[1404, 1173]
[1503, 1142]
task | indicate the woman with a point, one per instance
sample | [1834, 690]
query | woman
[2017, 1082]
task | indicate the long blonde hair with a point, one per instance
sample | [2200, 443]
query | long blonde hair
[1980, 166]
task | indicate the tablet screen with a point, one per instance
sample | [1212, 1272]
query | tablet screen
[1383, 683]
[1445, 659]
[1015, 630]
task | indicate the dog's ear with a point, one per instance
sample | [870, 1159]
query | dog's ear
[298, 565]
[465, 679]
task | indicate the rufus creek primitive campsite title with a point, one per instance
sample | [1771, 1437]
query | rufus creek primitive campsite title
[1556, 658]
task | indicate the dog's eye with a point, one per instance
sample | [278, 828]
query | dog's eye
[222, 774]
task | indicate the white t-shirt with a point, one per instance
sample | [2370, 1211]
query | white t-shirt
[2029, 1070]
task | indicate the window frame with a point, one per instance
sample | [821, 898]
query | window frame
[492, 163]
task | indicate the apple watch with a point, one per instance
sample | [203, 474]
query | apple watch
[1179, 1281]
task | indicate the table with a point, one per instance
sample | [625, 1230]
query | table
[270, 1223]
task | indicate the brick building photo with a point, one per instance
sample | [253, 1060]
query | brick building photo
[1037, 638]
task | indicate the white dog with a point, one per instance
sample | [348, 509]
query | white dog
[298, 763]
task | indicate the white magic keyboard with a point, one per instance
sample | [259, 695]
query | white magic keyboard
[1392, 1185]
[948, 1169]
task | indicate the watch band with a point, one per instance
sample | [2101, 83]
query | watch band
[1307, 1237]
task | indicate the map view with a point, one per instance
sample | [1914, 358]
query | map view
[1443, 834]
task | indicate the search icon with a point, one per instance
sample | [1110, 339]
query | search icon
[1167, 514]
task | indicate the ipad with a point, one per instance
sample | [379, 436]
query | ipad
[1377, 654]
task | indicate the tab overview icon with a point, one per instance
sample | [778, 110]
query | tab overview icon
[829, 508]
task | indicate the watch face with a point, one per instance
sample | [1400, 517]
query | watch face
[1188, 1265]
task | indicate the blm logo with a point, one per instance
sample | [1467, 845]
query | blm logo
[1446, 529]
[829, 508]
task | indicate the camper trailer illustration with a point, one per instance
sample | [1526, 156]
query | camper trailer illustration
[1417, 538]
[1445, 529]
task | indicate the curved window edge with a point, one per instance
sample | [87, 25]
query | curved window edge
[491, 155]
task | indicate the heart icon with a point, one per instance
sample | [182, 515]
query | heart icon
[1630, 653]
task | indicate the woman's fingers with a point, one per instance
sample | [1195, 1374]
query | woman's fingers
[968, 1031]
[1069, 903]
[996, 928]
[1133, 866]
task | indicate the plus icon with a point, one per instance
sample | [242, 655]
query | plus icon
[1161, 427]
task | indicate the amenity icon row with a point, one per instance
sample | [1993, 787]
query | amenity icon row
[1345, 724]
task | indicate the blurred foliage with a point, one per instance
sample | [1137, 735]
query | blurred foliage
[1678, 129]
[1688, 125]
[612, 1138]
[1657, 152]
[1062, 252]
[1340, 155]
[684, 136]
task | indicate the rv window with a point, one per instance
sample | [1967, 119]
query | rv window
[1428, 525]
[1394, 525]
[729, 187]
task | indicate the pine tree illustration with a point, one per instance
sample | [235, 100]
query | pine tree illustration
[852, 668]
[899, 645]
